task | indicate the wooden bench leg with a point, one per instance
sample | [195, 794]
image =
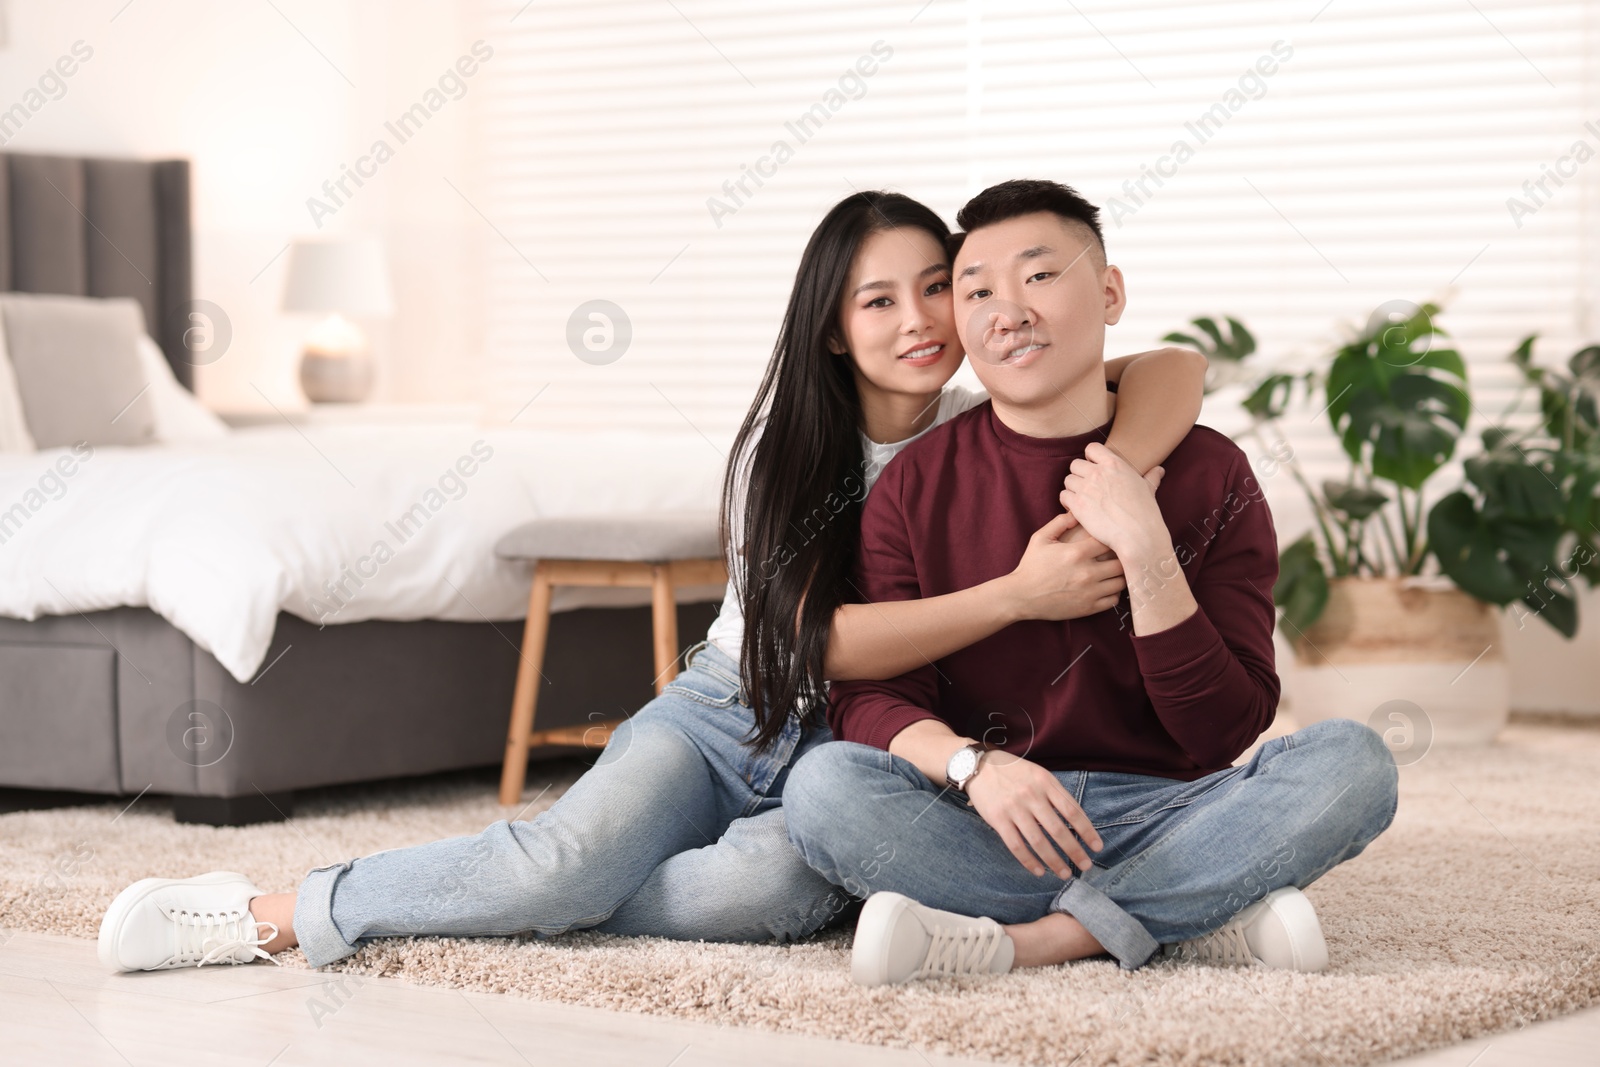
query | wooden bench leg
[526, 697]
[664, 612]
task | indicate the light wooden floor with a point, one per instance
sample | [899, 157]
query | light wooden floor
[58, 1007]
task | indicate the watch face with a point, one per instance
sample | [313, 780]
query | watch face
[962, 764]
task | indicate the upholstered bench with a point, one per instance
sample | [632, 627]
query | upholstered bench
[662, 551]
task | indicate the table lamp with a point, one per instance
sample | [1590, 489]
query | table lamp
[336, 279]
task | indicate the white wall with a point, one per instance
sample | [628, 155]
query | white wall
[243, 92]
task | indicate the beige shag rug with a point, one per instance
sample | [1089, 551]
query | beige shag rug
[1477, 912]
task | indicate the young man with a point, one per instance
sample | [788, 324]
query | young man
[969, 783]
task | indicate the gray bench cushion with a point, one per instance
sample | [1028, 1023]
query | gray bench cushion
[654, 537]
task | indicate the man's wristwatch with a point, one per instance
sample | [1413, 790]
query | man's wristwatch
[963, 765]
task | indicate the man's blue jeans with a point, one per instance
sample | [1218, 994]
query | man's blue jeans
[677, 831]
[1180, 858]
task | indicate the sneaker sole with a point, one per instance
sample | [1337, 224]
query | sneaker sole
[869, 955]
[129, 898]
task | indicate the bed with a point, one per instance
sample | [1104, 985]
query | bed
[216, 621]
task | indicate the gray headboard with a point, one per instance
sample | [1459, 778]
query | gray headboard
[102, 227]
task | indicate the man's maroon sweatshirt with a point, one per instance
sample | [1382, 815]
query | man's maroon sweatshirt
[956, 508]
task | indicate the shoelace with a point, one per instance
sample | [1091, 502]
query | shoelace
[210, 937]
[966, 951]
[1226, 945]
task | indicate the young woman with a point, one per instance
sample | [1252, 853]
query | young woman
[677, 830]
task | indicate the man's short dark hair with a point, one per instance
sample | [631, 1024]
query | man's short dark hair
[1026, 196]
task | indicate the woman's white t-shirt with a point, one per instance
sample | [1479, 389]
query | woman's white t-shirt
[727, 632]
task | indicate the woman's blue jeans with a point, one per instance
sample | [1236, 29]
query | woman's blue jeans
[676, 832]
[1180, 858]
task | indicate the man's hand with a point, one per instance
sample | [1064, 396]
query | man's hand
[1116, 506]
[1056, 580]
[1076, 528]
[1119, 508]
[1031, 811]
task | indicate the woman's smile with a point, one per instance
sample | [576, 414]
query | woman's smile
[925, 354]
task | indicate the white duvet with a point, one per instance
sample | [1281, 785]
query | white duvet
[333, 524]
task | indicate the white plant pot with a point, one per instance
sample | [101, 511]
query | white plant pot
[1550, 673]
[1421, 664]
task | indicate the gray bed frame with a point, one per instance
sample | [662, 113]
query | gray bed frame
[120, 703]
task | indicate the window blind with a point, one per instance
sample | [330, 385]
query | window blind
[1291, 164]
[625, 149]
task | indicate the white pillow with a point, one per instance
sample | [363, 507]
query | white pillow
[14, 435]
[180, 418]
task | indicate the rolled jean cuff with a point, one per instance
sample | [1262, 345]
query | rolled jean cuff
[319, 938]
[1118, 932]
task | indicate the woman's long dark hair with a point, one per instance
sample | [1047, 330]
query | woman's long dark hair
[801, 513]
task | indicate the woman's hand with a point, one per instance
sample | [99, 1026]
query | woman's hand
[1063, 579]
[1032, 812]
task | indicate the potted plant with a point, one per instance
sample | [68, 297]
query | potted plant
[1387, 601]
[1526, 523]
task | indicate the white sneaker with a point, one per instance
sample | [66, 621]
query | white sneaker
[1280, 930]
[159, 923]
[898, 939]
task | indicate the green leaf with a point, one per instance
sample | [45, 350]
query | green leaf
[1302, 586]
[1244, 342]
[1467, 551]
[1409, 342]
[1501, 560]
[1558, 607]
[1210, 340]
[1522, 356]
[1445, 359]
[1513, 487]
[1210, 327]
[1585, 393]
[1355, 501]
[1443, 399]
[1529, 548]
[1586, 559]
[1271, 398]
[1351, 369]
[1352, 382]
[1585, 364]
[1413, 430]
[1495, 437]
[1581, 500]
[1530, 494]
[1425, 321]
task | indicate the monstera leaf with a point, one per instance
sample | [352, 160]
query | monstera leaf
[1270, 399]
[1223, 350]
[1583, 503]
[1231, 347]
[1569, 403]
[1356, 501]
[1583, 394]
[1511, 485]
[1500, 559]
[1302, 586]
[1398, 398]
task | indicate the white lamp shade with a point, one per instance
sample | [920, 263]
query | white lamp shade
[343, 277]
